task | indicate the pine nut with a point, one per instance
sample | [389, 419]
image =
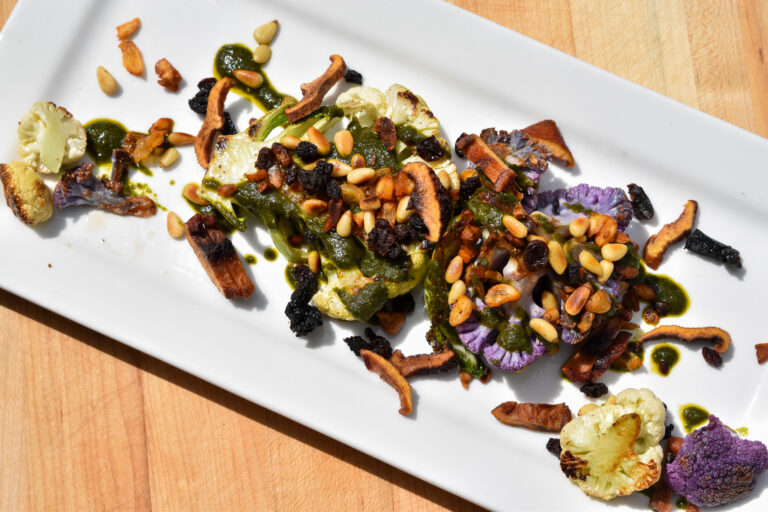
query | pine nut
[266, 32]
[357, 218]
[551, 315]
[531, 238]
[445, 180]
[548, 300]
[372, 204]
[590, 263]
[501, 293]
[544, 329]
[344, 226]
[596, 221]
[457, 290]
[175, 225]
[599, 303]
[467, 173]
[252, 79]
[261, 54]
[461, 310]
[577, 300]
[607, 233]
[290, 142]
[180, 138]
[557, 257]
[454, 270]
[169, 157]
[357, 161]
[314, 206]
[107, 82]
[369, 221]
[388, 212]
[340, 169]
[613, 252]
[607, 267]
[514, 226]
[402, 210]
[578, 226]
[344, 142]
[385, 188]
[309, 167]
[318, 139]
[611, 400]
[586, 408]
[190, 193]
[351, 194]
[361, 175]
[313, 261]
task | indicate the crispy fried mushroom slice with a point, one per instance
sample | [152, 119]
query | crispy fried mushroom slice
[423, 364]
[653, 253]
[390, 375]
[429, 198]
[578, 367]
[217, 255]
[214, 121]
[719, 337]
[391, 322]
[487, 161]
[133, 62]
[315, 90]
[140, 146]
[761, 351]
[128, 28]
[546, 132]
[546, 417]
[387, 132]
[169, 75]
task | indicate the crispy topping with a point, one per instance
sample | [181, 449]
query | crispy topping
[487, 161]
[761, 351]
[546, 417]
[214, 121]
[169, 76]
[423, 364]
[720, 338]
[133, 62]
[386, 130]
[128, 28]
[315, 90]
[653, 253]
[546, 132]
[390, 375]
[429, 198]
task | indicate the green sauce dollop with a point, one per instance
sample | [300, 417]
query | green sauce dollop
[664, 357]
[237, 56]
[270, 254]
[693, 416]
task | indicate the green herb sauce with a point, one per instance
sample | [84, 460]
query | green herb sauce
[102, 137]
[367, 301]
[250, 259]
[514, 338]
[681, 503]
[664, 357]
[693, 416]
[237, 56]
[270, 254]
[667, 290]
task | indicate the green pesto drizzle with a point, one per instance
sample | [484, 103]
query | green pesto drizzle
[237, 56]
[693, 416]
[250, 259]
[664, 357]
[270, 254]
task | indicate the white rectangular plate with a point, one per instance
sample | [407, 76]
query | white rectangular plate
[99, 269]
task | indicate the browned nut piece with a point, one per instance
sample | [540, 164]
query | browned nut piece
[351, 194]
[169, 76]
[315, 90]
[141, 146]
[370, 204]
[461, 310]
[487, 161]
[214, 121]
[607, 233]
[546, 132]
[720, 338]
[385, 188]
[761, 351]
[545, 417]
[392, 323]
[107, 82]
[643, 291]
[133, 62]
[180, 138]
[653, 253]
[429, 198]
[585, 323]
[386, 130]
[423, 364]
[190, 193]
[357, 161]
[316, 137]
[599, 303]
[252, 79]
[501, 293]
[577, 300]
[390, 375]
[128, 28]
[314, 206]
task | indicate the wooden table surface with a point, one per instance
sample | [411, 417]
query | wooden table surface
[87, 423]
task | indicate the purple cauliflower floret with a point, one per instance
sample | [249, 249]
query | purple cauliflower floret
[714, 466]
[559, 203]
[518, 149]
[514, 361]
[474, 335]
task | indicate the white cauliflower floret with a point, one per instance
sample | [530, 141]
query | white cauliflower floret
[613, 449]
[50, 137]
[406, 108]
[365, 104]
[25, 193]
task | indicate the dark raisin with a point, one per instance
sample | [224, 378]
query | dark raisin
[304, 318]
[324, 169]
[266, 158]
[379, 344]
[641, 205]
[307, 151]
[229, 127]
[664, 367]
[292, 173]
[668, 430]
[430, 149]
[467, 188]
[199, 103]
[302, 275]
[712, 357]
[356, 344]
[702, 244]
[553, 446]
[535, 256]
[661, 307]
[333, 190]
[382, 241]
[402, 235]
[594, 389]
[403, 303]
[459, 153]
[206, 84]
[353, 77]
[670, 458]
[573, 275]
[416, 227]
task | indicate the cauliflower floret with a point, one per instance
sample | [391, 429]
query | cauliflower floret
[25, 193]
[50, 137]
[365, 104]
[614, 450]
[406, 108]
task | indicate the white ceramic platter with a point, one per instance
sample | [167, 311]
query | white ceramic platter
[128, 279]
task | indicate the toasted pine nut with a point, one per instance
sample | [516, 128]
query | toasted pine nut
[309, 167]
[169, 157]
[314, 206]
[599, 302]
[501, 293]
[548, 300]
[175, 225]
[454, 270]
[190, 193]
[360, 175]
[290, 141]
[372, 203]
[590, 263]
[385, 188]
[607, 233]
[544, 329]
[611, 400]
[577, 300]
[514, 226]
[461, 310]
[369, 221]
[340, 169]
[313, 261]
[344, 142]
[351, 194]
[261, 54]
[457, 290]
[344, 226]
[180, 138]
[248, 77]
[266, 32]
[596, 221]
[644, 291]
[578, 226]
[607, 267]
[613, 252]
[357, 161]
[586, 408]
[531, 238]
[402, 209]
[357, 218]
[107, 82]
[557, 257]
[552, 315]
[467, 173]
[318, 139]
[128, 28]
[445, 180]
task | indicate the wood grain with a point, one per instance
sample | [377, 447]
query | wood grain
[89, 424]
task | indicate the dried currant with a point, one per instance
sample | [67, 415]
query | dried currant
[430, 149]
[641, 205]
[307, 151]
[535, 256]
[594, 389]
[712, 357]
[553, 446]
[266, 158]
[353, 77]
